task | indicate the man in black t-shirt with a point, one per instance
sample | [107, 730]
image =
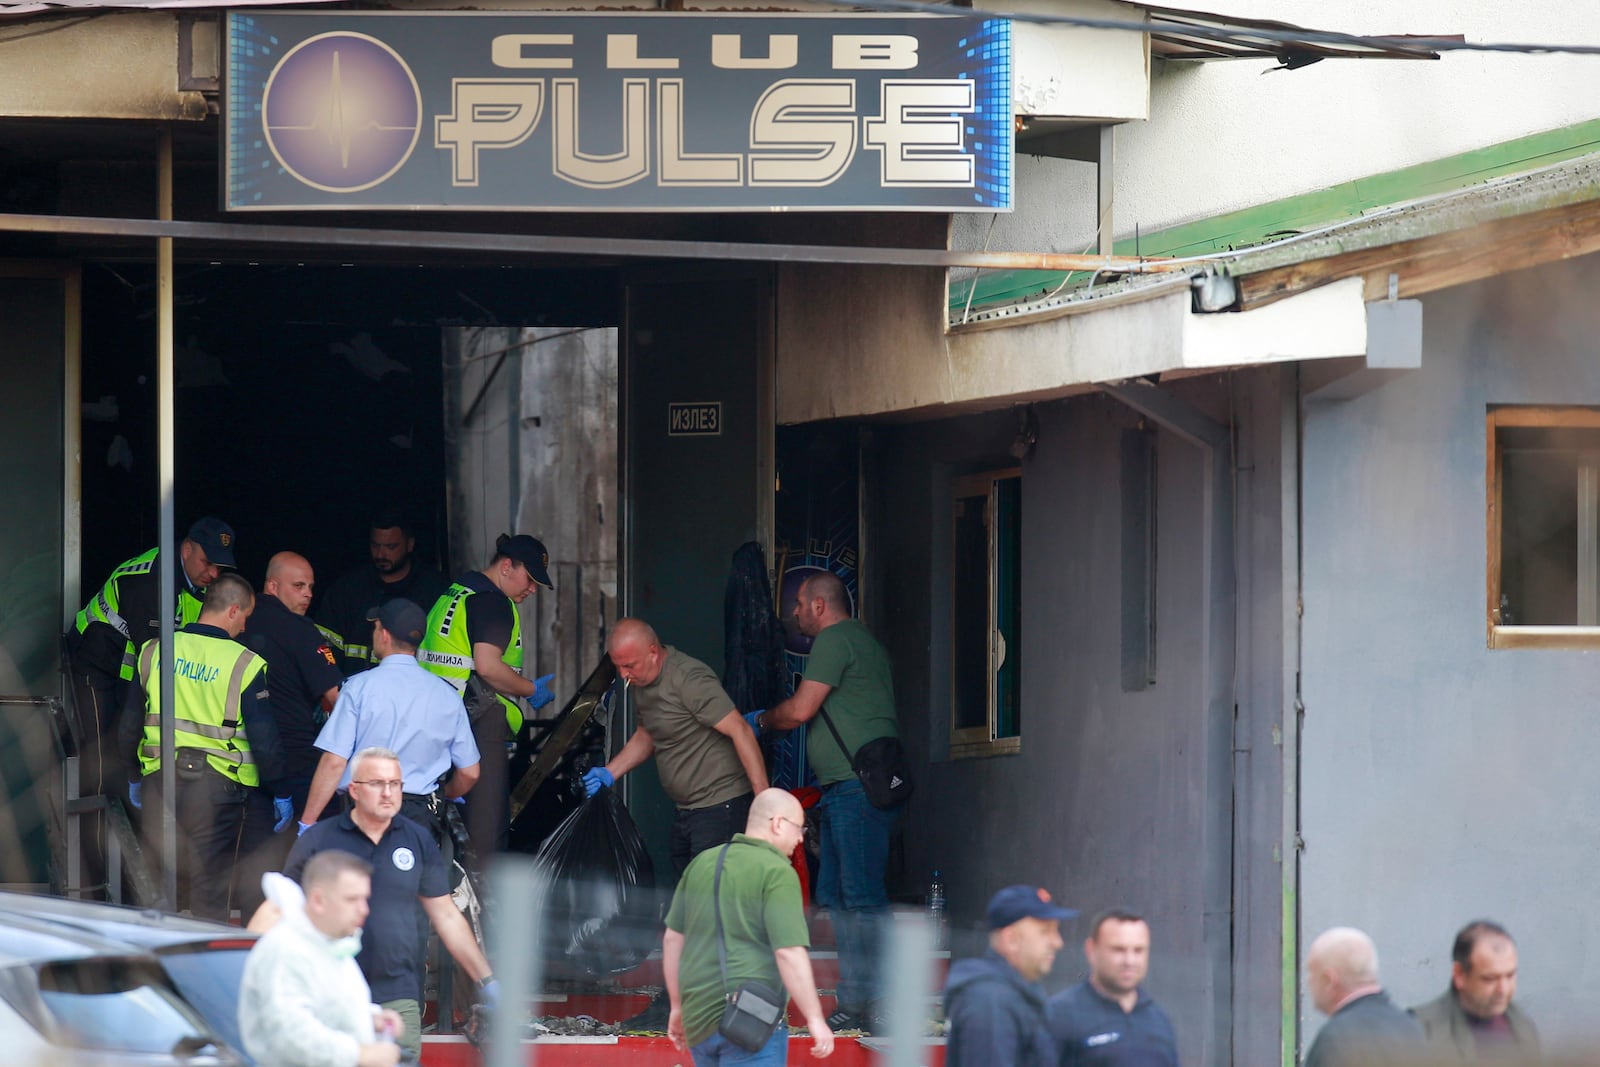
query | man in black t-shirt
[474, 641]
[395, 573]
[407, 871]
[302, 684]
[303, 676]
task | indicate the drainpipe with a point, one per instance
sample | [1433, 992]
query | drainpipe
[1290, 522]
[167, 560]
[1218, 636]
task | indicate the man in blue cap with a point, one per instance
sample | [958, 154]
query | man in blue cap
[995, 1004]
[400, 707]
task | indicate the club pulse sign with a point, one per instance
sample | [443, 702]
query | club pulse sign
[598, 112]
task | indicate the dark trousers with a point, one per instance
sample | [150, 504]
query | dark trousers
[489, 803]
[211, 811]
[100, 772]
[696, 829]
[260, 850]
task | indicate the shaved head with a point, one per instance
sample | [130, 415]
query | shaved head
[291, 580]
[636, 651]
[777, 818]
[630, 632]
[772, 804]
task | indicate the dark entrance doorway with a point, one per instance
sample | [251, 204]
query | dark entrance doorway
[307, 398]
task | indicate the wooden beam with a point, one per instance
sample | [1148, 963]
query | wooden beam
[1440, 261]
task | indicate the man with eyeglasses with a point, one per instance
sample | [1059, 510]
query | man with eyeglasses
[763, 932]
[407, 870]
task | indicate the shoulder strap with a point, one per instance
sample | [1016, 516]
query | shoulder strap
[716, 910]
[848, 755]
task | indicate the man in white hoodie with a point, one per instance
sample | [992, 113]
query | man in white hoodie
[303, 1001]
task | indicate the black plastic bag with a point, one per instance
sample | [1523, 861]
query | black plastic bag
[603, 913]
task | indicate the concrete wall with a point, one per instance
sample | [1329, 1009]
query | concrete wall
[1443, 781]
[112, 66]
[1226, 135]
[1107, 802]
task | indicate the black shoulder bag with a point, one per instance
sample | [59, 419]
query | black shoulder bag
[755, 1009]
[880, 765]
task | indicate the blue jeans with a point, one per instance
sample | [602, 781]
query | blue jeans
[716, 1051]
[855, 854]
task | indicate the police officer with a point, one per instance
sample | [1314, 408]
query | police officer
[225, 742]
[117, 621]
[303, 676]
[474, 641]
[395, 574]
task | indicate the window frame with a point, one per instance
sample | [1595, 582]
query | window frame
[980, 741]
[1529, 416]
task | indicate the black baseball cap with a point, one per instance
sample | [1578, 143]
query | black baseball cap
[402, 618]
[1017, 902]
[216, 538]
[530, 552]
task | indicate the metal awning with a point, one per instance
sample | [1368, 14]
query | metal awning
[1176, 33]
[1183, 34]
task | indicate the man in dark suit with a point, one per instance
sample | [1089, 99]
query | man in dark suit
[1364, 1027]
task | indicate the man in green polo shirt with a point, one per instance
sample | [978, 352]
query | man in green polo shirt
[763, 929]
[848, 676]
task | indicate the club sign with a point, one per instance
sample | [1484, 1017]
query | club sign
[599, 112]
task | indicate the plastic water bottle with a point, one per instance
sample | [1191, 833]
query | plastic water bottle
[936, 910]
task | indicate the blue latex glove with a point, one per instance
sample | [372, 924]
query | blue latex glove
[458, 800]
[302, 827]
[283, 810]
[596, 779]
[491, 993]
[751, 717]
[134, 789]
[541, 692]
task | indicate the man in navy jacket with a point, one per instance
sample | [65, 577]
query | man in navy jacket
[994, 1004]
[1108, 1020]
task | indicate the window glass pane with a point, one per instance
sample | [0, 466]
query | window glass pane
[210, 982]
[115, 1005]
[969, 610]
[1008, 605]
[1539, 523]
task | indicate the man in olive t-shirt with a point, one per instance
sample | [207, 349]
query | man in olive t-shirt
[848, 676]
[763, 929]
[707, 756]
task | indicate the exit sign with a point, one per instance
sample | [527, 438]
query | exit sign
[694, 420]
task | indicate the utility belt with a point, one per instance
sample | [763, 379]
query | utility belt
[191, 765]
[427, 810]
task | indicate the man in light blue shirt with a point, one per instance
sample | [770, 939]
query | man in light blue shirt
[401, 707]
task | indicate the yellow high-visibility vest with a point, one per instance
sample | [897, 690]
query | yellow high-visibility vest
[207, 695]
[446, 649]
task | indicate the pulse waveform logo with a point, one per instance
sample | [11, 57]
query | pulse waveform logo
[342, 112]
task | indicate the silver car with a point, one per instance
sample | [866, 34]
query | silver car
[70, 997]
